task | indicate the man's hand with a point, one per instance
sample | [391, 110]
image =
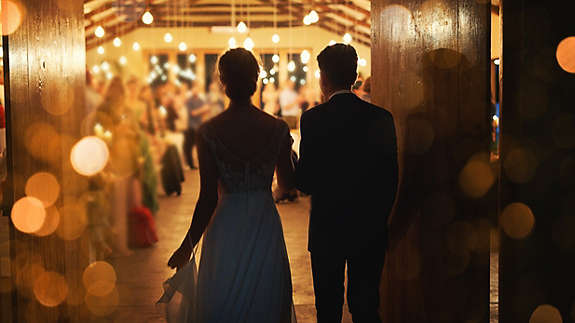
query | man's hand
[180, 258]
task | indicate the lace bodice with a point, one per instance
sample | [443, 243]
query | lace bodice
[241, 175]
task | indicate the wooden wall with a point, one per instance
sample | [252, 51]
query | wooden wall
[431, 69]
[46, 66]
[538, 155]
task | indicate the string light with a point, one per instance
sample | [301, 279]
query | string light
[263, 74]
[232, 43]
[117, 42]
[95, 69]
[317, 74]
[192, 58]
[347, 38]
[242, 27]
[168, 38]
[291, 66]
[136, 46]
[249, 43]
[362, 62]
[105, 66]
[276, 58]
[123, 60]
[313, 16]
[99, 32]
[332, 42]
[147, 18]
[306, 20]
[182, 46]
[276, 38]
[305, 56]
[101, 50]
[154, 59]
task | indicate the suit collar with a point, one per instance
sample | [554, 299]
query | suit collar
[339, 93]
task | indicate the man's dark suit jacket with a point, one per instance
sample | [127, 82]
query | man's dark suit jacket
[348, 163]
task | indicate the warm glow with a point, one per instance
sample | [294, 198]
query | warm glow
[99, 32]
[313, 16]
[89, 156]
[249, 43]
[12, 16]
[99, 278]
[102, 305]
[147, 18]
[117, 42]
[276, 38]
[347, 39]
[232, 43]
[163, 112]
[43, 186]
[51, 223]
[317, 74]
[566, 54]
[101, 50]
[105, 66]
[305, 56]
[546, 314]
[291, 66]
[242, 27]
[95, 69]
[517, 220]
[362, 62]
[50, 289]
[28, 214]
[192, 58]
[123, 60]
[168, 38]
[154, 59]
[182, 46]
[73, 221]
[332, 42]
[276, 58]
[136, 46]
[476, 178]
[263, 74]
[307, 20]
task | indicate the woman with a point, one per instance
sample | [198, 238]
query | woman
[270, 99]
[244, 273]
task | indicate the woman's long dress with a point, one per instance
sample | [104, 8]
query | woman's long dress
[244, 273]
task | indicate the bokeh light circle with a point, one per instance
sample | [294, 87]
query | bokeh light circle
[99, 278]
[546, 314]
[476, 178]
[28, 214]
[50, 289]
[12, 17]
[517, 220]
[89, 156]
[51, 223]
[566, 54]
[102, 305]
[520, 165]
[73, 221]
[43, 186]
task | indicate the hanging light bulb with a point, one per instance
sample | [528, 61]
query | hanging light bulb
[263, 73]
[291, 66]
[101, 50]
[313, 16]
[136, 46]
[232, 43]
[276, 58]
[242, 27]
[307, 20]
[154, 59]
[192, 58]
[305, 56]
[105, 66]
[249, 43]
[123, 60]
[99, 32]
[117, 42]
[293, 78]
[276, 38]
[168, 38]
[147, 18]
[182, 46]
[95, 69]
[362, 62]
[317, 74]
[347, 38]
[305, 68]
[273, 71]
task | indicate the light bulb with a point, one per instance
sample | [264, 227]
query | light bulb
[117, 42]
[305, 56]
[263, 74]
[105, 66]
[276, 58]
[293, 78]
[101, 50]
[272, 79]
[147, 18]
[99, 32]
[305, 68]
[302, 82]
[249, 43]
[242, 27]
[276, 38]
[154, 59]
[182, 46]
[317, 74]
[265, 81]
[168, 38]
[123, 60]
[313, 16]
[332, 42]
[232, 42]
[192, 58]
[136, 46]
[347, 38]
[362, 62]
[95, 69]
[109, 75]
[273, 71]
[306, 20]
[291, 66]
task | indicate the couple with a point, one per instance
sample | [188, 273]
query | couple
[244, 272]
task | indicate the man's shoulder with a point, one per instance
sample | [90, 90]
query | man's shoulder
[314, 112]
[376, 111]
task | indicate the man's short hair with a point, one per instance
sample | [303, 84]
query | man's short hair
[339, 64]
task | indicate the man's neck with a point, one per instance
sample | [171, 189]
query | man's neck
[333, 92]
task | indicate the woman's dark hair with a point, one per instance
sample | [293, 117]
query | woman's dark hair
[239, 71]
[339, 64]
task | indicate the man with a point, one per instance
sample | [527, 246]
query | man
[197, 108]
[289, 104]
[348, 164]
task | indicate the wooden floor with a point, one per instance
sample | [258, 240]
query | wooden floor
[141, 274]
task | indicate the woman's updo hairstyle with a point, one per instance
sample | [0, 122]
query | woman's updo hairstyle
[239, 71]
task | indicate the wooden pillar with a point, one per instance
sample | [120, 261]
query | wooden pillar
[431, 69]
[46, 66]
[538, 158]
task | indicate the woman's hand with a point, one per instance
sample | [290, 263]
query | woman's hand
[180, 258]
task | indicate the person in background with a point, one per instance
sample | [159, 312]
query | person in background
[290, 104]
[270, 99]
[309, 97]
[216, 100]
[133, 102]
[366, 90]
[149, 122]
[197, 110]
[93, 99]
